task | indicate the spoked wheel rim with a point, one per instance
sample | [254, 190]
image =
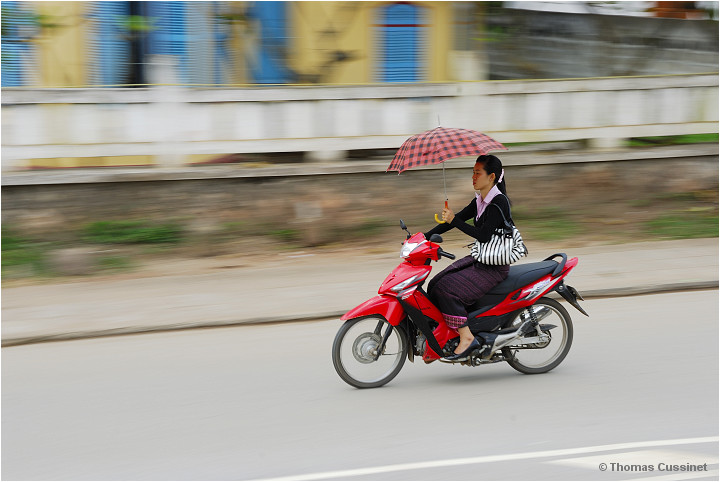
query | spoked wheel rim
[356, 348]
[543, 357]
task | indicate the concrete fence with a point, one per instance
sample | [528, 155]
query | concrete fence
[171, 125]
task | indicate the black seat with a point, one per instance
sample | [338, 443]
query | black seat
[519, 276]
[523, 274]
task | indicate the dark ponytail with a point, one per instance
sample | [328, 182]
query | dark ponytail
[492, 165]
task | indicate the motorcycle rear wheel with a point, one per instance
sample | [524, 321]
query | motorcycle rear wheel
[543, 358]
[355, 347]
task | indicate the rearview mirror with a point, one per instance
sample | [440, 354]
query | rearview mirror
[436, 238]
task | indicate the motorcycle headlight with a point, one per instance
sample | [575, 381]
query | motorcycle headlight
[409, 248]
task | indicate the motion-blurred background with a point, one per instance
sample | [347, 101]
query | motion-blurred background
[136, 129]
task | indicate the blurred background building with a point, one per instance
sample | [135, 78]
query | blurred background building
[103, 43]
[112, 83]
[112, 43]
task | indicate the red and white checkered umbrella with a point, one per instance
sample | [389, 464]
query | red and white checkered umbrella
[439, 144]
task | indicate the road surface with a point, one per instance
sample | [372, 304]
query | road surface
[638, 389]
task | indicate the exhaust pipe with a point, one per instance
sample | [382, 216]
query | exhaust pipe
[494, 342]
[540, 312]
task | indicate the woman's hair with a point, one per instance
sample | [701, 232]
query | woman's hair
[492, 165]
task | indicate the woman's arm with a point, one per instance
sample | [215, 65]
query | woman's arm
[493, 219]
[467, 212]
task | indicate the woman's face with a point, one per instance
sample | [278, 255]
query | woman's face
[481, 180]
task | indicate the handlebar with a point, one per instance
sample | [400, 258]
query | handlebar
[445, 253]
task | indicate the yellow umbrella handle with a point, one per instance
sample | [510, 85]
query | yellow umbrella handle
[437, 219]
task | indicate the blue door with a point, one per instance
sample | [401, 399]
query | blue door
[169, 35]
[401, 49]
[108, 49]
[270, 66]
[18, 26]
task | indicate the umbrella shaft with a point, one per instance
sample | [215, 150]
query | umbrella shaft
[445, 185]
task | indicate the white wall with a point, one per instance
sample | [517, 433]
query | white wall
[171, 122]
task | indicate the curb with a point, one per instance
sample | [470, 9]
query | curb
[140, 330]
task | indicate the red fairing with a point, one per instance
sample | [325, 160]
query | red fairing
[443, 333]
[385, 306]
[404, 272]
[571, 263]
[529, 294]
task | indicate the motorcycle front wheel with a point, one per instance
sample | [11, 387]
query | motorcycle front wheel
[355, 351]
[543, 357]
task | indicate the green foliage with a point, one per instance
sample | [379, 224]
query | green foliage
[132, 232]
[18, 252]
[285, 235]
[138, 23]
[690, 224]
[233, 18]
[13, 16]
[369, 227]
[115, 263]
[673, 140]
[549, 224]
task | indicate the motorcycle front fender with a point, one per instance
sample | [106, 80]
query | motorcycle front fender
[386, 306]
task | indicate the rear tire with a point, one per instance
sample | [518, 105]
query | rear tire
[355, 346]
[537, 360]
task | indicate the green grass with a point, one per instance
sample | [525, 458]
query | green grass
[367, 228]
[285, 235]
[672, 140]
[19, 253]
[549, 229]
[690, 224]
[115, 263]
[676, 198]
[550, 224]
[132, 232]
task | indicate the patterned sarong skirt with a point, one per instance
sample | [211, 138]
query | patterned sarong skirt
[460, 285]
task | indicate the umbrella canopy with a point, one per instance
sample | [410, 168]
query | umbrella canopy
[439, 144]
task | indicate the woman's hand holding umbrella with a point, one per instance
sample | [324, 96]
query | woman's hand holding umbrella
[447, 215]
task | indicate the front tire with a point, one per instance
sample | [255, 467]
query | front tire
[355, 348]
[543, 358]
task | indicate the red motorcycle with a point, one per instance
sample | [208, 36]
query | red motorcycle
[514, 322]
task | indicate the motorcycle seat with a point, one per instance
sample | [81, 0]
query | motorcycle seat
[520, 275]
[523, 274]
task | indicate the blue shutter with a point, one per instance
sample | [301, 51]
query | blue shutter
[169, 36]
[206, 37]
[108, 49]
[16, 52]
[221, 35]
[401, 46]
[270, 67]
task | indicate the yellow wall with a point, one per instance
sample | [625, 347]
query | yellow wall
[319, 28]
[61, 49]
[440, 40]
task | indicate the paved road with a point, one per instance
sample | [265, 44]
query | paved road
[639, 387]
